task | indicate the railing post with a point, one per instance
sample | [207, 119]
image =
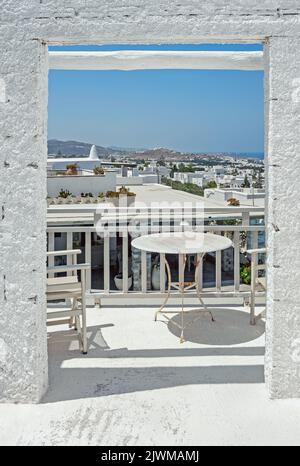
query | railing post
[255, 256]
[144, 271]
[181, 262]
[237, 272]
[51, 246]
[69, 247]
[162, 273]
[88, 258]
[246, 219]
[106, 262]
[125, 261]
[246, 223]
[218, 270]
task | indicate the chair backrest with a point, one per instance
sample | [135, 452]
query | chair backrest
[69, 285]
[57, 284]
[256, 267]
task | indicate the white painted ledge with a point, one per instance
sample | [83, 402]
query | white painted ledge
[141, 60]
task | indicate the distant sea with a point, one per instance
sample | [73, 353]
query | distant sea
[252, 155]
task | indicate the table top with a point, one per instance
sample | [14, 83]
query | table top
[182, 243]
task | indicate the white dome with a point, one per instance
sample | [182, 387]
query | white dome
[93, 153]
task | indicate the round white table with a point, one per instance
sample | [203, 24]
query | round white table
[183, 244]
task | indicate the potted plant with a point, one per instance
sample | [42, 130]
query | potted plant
[155, 277]
[72, 169]
[119, 277]
[99, 171]
[126, 196]
[246, 274]
[57, 200]
[123, 191]
[232, 202]
[123, 196]
[86, 198]
[112, 197]
[119, 281]
[64, 195]
[101, 197]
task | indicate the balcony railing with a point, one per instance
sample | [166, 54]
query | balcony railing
[104, 235]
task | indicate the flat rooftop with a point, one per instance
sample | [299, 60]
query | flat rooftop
[150, 193]
[145, 195]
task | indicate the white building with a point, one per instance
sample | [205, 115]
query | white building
[246, 197]
[184, 177]
[219, 170]
[88, 163]
[139, 180]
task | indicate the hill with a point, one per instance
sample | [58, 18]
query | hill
[75, 148]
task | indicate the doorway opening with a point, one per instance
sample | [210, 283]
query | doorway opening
[175, 127]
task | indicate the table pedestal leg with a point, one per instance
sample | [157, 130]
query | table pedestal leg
[206, 310]
[182, 260]
[168, 292]
[181, 287]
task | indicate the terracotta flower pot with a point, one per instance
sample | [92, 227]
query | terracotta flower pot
[72, 171]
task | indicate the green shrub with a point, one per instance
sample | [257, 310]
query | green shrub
[99, 171]
[246, 274]
[64, 194]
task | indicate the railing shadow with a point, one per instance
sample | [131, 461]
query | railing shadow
[78, 383]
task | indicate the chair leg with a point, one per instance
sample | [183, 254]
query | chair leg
[72, 319]
[83, 327]
[77, 324]
[252, 310]
[78, 327]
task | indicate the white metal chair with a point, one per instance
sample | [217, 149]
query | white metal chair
[70, 289]
[258, 283]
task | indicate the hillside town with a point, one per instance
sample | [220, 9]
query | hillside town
[227, 179]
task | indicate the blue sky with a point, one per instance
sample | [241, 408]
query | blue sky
[187, 110]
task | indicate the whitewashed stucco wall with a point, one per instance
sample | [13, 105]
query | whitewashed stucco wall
[25, 27]
[82, 184]
[283, 207]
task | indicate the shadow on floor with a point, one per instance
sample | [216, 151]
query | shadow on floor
[231, 327]
[78, 383]
[85, 381]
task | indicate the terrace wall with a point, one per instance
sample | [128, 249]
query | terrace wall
[82, 184]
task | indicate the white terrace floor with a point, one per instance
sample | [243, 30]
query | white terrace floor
[140, 386]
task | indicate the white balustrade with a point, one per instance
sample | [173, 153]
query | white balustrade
[120, 227]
